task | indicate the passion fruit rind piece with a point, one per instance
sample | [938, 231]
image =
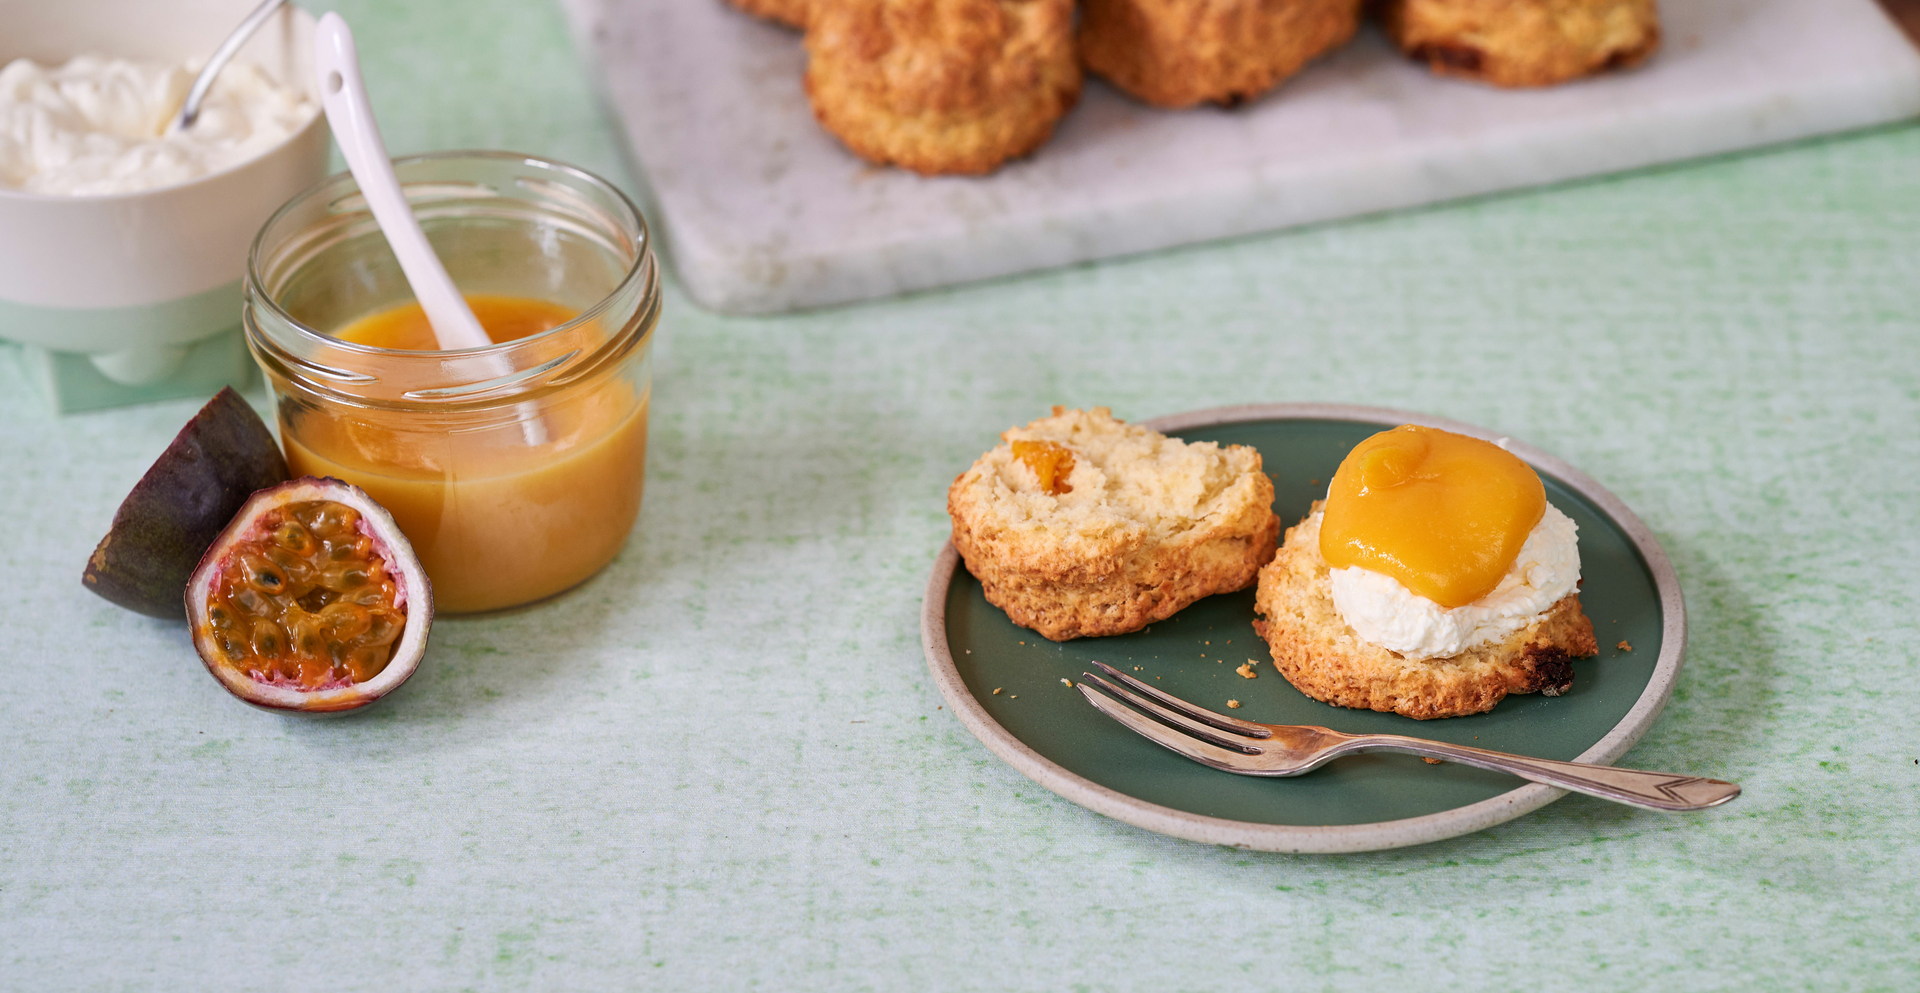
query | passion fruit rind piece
[192, 490]
[272, 579]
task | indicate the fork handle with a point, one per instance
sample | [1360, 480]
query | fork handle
[1652, 790]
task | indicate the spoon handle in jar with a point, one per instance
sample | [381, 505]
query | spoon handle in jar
[344, 95]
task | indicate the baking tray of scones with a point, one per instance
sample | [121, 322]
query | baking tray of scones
[1355, 568]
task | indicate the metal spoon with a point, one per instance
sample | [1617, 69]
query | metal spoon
[190, 111]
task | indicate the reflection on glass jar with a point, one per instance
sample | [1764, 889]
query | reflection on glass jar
[514, 469]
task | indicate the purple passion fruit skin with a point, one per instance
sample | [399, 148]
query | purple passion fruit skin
[161, 529]
[311, 601]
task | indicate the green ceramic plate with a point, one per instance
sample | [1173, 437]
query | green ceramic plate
[1359, 803]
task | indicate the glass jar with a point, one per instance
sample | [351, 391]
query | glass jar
[514, 469]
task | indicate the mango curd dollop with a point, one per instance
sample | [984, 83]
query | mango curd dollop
[1443, 514]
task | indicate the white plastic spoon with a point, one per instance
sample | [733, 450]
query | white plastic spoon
[343, 94]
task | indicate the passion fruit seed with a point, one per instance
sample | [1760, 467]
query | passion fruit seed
[294, 538]
[292, 610]
[328, 519]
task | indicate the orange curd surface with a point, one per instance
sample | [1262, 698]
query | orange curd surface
[1442, 513]
[496, 521]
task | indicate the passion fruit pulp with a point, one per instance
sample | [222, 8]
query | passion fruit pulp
[185, 498]
[311, 600]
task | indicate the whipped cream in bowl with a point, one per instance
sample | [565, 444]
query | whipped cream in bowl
[122, 239]
[97, 125]
[1383, 612]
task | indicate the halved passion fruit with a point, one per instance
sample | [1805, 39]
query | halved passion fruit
[311, 600]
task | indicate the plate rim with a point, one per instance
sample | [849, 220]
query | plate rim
[1341, 838]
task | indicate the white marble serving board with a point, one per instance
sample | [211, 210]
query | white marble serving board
[765, 212]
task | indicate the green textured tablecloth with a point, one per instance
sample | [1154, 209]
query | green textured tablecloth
[1732, 347]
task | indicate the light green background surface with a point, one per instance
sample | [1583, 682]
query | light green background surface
[553, 802]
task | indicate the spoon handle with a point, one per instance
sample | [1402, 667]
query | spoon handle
[190, 110]
[1640, 788]
[344, 95]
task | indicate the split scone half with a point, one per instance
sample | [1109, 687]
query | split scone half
[1177, 53]
[1322, 655]
[1523, 42]
[941, 86]
[1080, 524]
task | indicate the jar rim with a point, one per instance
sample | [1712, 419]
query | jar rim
[640, 266]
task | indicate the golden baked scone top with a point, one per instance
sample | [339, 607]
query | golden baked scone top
[1176, 53]
[792, 13]
[1523, 42]
[941, 85]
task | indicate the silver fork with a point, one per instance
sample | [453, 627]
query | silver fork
[1250, 749]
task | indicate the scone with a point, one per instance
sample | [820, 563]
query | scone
[792, 13]
[1523, 42]
[1321, 654]
[1433, 580]
[1177, 53]
[941, 86]
[1080, 524]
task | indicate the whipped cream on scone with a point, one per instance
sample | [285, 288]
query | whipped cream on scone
[1383, 612]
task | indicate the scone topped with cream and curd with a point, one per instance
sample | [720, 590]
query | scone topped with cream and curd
[1432, 581]
[1081, 524]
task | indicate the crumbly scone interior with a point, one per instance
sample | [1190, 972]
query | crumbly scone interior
[1081, 525]
[1128, 483]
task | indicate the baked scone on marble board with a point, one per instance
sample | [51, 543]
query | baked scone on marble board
[1502, 617]
[1523, 42]
[941, 86]
[792, 13]
[1080, 524]
[1177, 53]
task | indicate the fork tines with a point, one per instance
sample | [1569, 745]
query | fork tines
[1195, 732]
[1180, 707]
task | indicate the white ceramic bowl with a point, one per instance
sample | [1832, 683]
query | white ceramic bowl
[134, 279]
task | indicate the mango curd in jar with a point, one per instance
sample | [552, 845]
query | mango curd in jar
[498, 515]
